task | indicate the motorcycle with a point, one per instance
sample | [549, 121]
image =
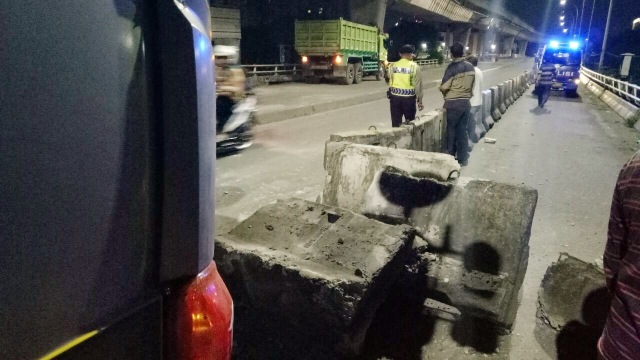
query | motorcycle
[235, 122]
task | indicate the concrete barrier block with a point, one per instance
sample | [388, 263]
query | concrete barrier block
[496, 114]
[479, 228]
[487, 110]
[486, 226]
[519, 86]
[584, 79]
[427, 131]
[510, 97]
[626, 110]
[573, 303]
[511, 87]
[315, 268]
[502, 106]
[351, 170]
[400, 137]
[595, 88]
[529, 79]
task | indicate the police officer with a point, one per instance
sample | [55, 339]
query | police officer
[405, 87]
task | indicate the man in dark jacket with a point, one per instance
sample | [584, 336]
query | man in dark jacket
[457, 88]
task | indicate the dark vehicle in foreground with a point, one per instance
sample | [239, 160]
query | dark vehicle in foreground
[107, 136]
[567, 58]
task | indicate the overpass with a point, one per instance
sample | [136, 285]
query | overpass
[480, 25]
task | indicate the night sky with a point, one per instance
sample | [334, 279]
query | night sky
[533, 12]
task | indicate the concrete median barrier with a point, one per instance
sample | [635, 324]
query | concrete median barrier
[596, 89]
[487, 110]
[428, 131]
[510, 89]
[502, 106]
[351, 170]
[496, 114]
[400, 138]
[318, 270]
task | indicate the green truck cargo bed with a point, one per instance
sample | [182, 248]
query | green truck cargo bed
[326, 37]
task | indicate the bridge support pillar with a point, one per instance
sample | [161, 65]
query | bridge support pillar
[369, 12]
[462, 34]
[507, 45]
[522, 47]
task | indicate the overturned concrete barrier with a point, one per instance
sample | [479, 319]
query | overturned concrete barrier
[573, 304]
[351, 170]
[479, 229]
[496, 114]
[487, 110]
[319, 270]
[400, 138]
[502, 106]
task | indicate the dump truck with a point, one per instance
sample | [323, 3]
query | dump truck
[340, 49]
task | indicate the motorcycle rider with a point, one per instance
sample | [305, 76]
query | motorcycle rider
[230, 81]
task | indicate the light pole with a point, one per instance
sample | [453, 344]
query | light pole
[581, 17]
[575, 21]
[606, 34]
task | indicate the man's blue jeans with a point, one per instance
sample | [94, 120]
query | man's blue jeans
[457, 136]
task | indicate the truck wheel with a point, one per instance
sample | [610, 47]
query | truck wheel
[348, 80]
[380, 73]
[571, 93]
[358, 73]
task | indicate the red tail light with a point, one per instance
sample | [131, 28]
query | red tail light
[203, 318]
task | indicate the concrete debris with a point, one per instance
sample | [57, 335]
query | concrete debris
[573, 303]
[490, 140]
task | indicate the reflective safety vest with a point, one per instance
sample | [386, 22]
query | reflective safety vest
[402, 81]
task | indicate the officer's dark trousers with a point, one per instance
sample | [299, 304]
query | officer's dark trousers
[402, 106]
[543, 92]
[458, 114]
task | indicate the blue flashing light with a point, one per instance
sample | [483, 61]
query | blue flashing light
[554, 44]
[574, 45]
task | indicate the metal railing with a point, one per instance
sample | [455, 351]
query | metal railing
[623, 89]
[273, 72]
[427, 62]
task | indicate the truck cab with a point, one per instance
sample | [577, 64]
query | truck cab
[567, 58]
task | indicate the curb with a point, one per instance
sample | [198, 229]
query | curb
[311, 109]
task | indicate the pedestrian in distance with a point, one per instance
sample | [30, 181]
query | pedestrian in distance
[621, 336]
[543, 83]
[476, 101]
[405, 87]
[457, 88]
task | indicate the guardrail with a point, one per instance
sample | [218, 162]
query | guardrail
[623, 89]
[427, 62]
[272, 72]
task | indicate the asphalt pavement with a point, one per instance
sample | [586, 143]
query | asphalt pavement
[279, 102]
[571, 152]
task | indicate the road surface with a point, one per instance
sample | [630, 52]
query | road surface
[571, 153]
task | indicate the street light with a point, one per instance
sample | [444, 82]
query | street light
[606, 34]
[424, 46]
[565, 30]
[563, 2]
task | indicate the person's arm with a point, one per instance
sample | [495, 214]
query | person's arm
[616, 239]
[447, 80]
[418, 87]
